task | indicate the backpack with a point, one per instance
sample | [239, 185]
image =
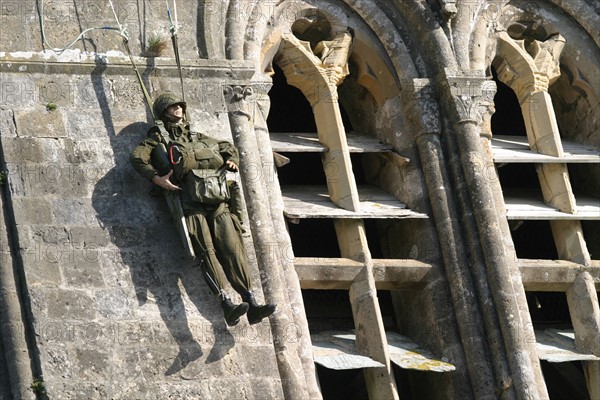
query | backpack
[199, 166]
[186, 157]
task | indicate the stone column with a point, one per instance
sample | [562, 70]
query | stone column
[585, 315]
[268, 256]
[466, 102]
[435, 167]
[529, 69]
[290, 277]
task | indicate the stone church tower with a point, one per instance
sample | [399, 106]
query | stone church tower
[421, 180]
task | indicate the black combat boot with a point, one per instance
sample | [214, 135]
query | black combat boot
[231, 311]
[257, 312]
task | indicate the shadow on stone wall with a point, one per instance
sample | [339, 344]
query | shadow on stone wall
[145, 242]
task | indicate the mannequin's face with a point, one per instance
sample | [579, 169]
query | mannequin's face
[174, 112]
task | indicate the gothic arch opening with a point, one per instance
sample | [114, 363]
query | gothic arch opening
[576, 104]
[290, 112]
[539, 238]
[532, 239]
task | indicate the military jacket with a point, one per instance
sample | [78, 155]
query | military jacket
[141, 156]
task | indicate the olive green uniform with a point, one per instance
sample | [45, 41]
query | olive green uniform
[215, 233]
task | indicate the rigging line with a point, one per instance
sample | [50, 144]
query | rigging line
[173, 30]
[80, 36]
[125, 36]
[172, 25]
[123, 32]
[140, 80]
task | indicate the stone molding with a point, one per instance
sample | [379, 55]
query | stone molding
[117, 63]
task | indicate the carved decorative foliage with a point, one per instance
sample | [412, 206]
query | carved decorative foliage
[473, 96]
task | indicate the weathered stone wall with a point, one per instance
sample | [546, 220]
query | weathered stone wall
[65, 20]
[118, 311]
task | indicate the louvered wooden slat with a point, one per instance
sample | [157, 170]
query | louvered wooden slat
[522, 205]
[339, 273]
[305, 201]
[309, 143]
[515, 149]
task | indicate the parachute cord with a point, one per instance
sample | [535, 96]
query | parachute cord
[173, 30]
[172, 25]
[121, 31]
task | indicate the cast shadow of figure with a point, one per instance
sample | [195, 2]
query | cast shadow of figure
[142, 230]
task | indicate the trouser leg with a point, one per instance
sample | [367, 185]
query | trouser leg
[235, 203]
[204, 248]
[201, 237]
[231, 252]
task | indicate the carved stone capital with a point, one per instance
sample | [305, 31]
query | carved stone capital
[488, 108]
[250, 100]
[472, 95]
[529, 66]
[237, 92]
[239, 99]
[316, 73]
[448, 8]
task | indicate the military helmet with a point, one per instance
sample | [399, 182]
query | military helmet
[164, 101]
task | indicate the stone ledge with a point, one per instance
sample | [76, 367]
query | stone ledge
[75, 62]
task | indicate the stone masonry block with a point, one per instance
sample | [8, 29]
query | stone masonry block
[40, 124]
[266, 388]
[84, 271]
[92, 124]
[32, 211]
[92, 363]
[88, 151]
[154, 361]
[73, 211]
[60, 365]
[20, 151]
[118, 180]
[67, 390]
[198, 389]
[134, 332]
[256, 361]
[94, 236]
[7, 124]
[129, 236]
[113, 303]
[70, 304]
[40, 271]
[43, 234]
[112, 210]
[127, 364]
[48, 179]
[230, 388]
[185, 390]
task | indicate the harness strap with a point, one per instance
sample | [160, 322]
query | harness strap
[163, 134]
